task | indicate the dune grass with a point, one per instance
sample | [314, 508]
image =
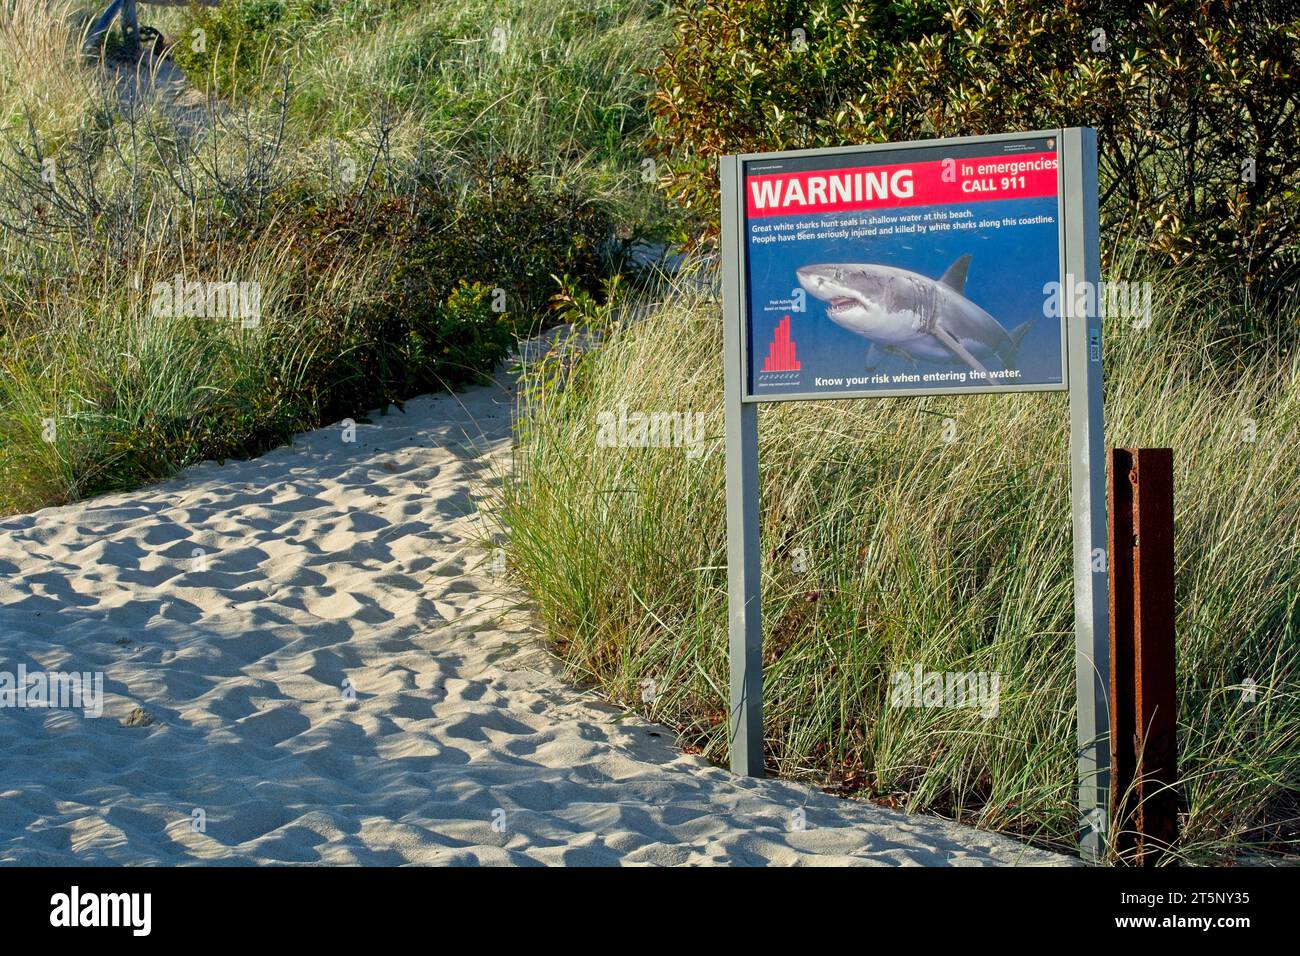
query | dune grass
[887, 546]
[560, 84]
[378, 168]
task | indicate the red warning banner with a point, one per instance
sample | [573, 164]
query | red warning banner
[969, 179]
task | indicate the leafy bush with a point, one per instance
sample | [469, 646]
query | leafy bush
[225, 49]
[369, 297]
[771, 75]
[1197, 105]
[464, 269]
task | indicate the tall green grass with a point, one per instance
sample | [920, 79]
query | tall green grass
[407, 99]
[560, 83]
[887, 547]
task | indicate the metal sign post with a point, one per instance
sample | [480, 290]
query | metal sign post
[130, 26]
[1087, 487]
[744, 621]
[877, 243]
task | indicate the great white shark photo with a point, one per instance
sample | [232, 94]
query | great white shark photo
[913, 316]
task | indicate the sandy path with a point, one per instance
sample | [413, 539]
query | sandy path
[330, 562]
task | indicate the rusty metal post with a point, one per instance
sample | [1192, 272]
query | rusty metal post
[1144, 709]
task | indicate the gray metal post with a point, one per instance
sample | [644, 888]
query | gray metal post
[1087, 488]
[130, 26]
[96, 31]
[744, 623]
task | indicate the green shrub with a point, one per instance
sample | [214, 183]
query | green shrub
[226, 49]
[737, 77]
[377, 297]
[459, 272]
[1182, 94]
[465, 269]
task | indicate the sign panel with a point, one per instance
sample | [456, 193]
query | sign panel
[921, 269]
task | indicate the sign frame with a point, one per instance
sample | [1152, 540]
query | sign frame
[1081, 371]
[743, 159]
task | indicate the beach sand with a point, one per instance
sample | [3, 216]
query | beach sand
[339, 676]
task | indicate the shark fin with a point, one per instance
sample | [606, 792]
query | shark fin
[1017, 335]
[955, 277]
[948, 339]
[1019, 332]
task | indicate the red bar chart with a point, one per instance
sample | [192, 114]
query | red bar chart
[780, 353]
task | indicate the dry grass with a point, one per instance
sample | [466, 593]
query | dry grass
[887, 547]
